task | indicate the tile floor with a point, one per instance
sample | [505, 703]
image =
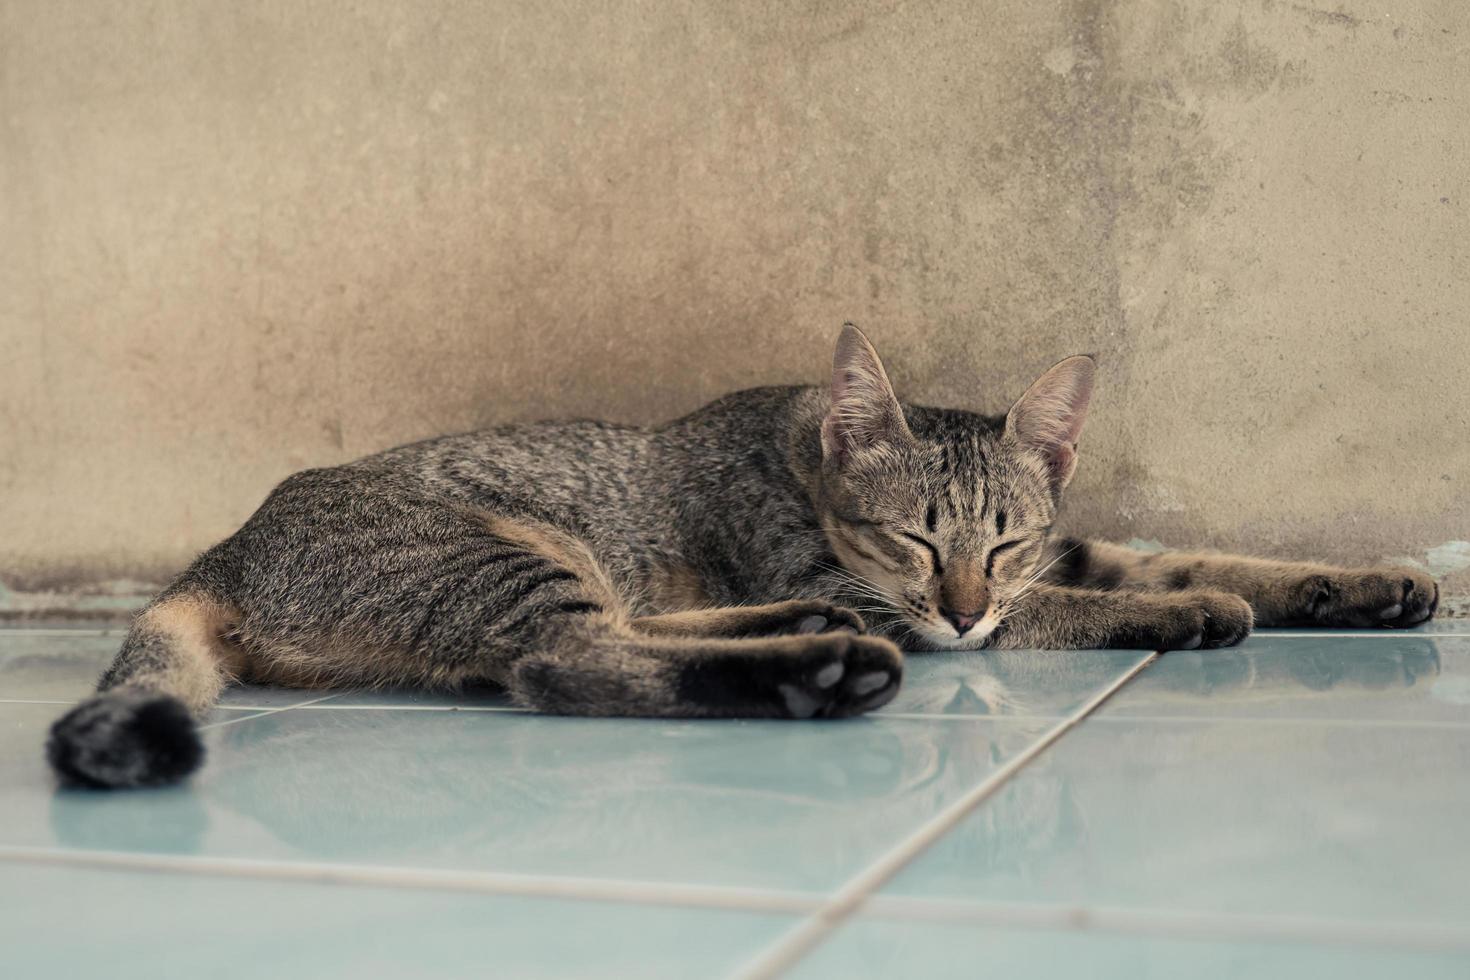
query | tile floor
[1290, 808]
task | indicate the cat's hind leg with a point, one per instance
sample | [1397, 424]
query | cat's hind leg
[528, 606]
[139, 729]
[404, 589]
[558, 636]
[1280, 593]
[596, 669]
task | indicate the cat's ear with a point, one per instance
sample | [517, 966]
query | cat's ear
[1048, 418]
[865, 411]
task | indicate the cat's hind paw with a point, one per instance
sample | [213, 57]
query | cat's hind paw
[862, 673]
[829, 675]
[1392, 598]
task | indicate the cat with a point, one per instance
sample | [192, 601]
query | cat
[765, 556]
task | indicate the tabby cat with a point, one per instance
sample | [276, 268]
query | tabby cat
[766, 556]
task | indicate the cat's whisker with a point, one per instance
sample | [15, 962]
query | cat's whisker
[1031, 582]
[908, 631]
[866, 588]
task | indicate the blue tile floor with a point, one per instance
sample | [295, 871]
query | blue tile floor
[1292, 807]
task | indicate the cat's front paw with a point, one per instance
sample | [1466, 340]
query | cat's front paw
[1375, 597]
[799, 616]
[1189, 620]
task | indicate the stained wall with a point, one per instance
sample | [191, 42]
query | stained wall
[241, 239]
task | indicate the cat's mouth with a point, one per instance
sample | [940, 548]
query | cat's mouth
[941, 635]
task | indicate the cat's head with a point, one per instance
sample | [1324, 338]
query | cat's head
[943, 514]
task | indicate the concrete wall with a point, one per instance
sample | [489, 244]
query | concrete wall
[240, 239]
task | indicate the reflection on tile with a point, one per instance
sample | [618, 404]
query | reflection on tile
[787, 805]
[21, 627]
[1266, 818]
[1398, 678]
[252, 696]
[1444, 625]
[33, 813]
[486, 697]
[1045, 683]
[53, 667]
[1435, 627]
[870, 947]
[66, 922]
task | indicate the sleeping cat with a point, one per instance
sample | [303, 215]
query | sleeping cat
[765, 556]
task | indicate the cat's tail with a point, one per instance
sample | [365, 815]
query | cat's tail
[139, 729]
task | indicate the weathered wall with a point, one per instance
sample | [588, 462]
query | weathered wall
[239, 239]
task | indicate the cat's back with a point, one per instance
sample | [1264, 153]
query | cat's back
[606, 472]
[556, 457]
[751, 417]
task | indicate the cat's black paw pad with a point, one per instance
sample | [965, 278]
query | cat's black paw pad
[802, 617]
[1392, 598]
[872, 672]
[125, 738]
[856, 674]
[828, 675]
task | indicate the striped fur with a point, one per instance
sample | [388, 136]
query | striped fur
[765, 556]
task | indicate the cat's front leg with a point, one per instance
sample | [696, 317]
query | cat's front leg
[1282, 593]
[787, 618]
[1361, 598]
[1056, 617]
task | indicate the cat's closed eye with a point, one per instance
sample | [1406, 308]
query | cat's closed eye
[928, 546]
[1009, 551]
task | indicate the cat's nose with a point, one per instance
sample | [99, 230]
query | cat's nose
[961, 621]
[963, 593]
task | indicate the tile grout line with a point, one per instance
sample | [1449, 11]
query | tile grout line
[1269, 632]
[63, 631]
[1324, 722]
[324, 704]
[1066, 917]
[673, 894]
[317, 704]
[775, 959]
[1328, 633]
[1170, 923]
[881, 715]
[481, 708]
[320, 704]
[266, 711]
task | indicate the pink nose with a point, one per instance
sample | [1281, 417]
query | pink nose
[961, 621]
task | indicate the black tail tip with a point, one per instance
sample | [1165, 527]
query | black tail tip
[125, 738]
